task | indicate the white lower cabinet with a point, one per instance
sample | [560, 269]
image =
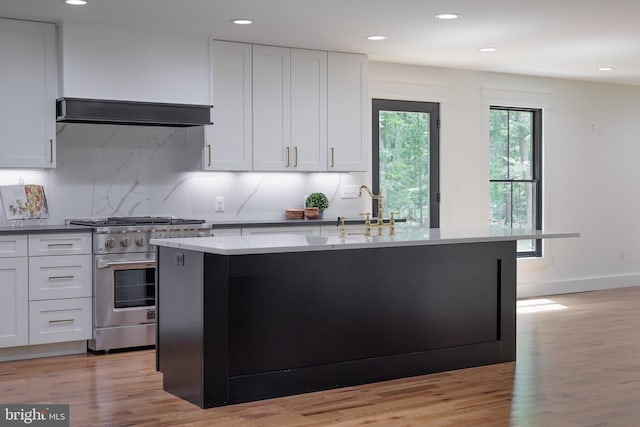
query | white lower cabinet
[60, 287]
[14, 314]
[59, 320]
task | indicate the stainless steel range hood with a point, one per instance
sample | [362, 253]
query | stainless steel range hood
[80, 110]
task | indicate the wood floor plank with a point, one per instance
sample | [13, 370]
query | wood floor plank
[579, 366]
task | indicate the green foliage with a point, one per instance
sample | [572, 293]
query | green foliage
[510, 159]
[404, 164]
[317, 200]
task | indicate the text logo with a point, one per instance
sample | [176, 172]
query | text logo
[34, 415]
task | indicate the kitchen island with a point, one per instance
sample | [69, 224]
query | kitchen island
[248, 318]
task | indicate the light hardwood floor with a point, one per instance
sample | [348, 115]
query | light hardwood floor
[579, 366]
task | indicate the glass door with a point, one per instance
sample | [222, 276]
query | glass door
[405, 159]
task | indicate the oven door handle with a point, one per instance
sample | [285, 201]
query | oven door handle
[127, 264]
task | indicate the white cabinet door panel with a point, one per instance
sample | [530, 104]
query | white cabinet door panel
[308, 110]
[59, 244]
[60, 320]
[347, 106]
[28, 84]
[14, 315]
[53, 277]
[13, 246]
[228, 142]
[271, 108]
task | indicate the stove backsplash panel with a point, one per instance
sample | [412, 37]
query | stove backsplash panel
[106, 170]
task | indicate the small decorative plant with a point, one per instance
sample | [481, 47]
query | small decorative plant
[317, 200]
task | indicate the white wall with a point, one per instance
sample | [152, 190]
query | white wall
[590, 149]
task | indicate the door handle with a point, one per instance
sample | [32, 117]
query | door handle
[128, 264]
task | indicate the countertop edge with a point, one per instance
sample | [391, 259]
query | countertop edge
[336, 244]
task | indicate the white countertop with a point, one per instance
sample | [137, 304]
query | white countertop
[274, 243]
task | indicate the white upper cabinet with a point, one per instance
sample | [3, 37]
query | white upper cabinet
[271, 108]
[289, 109]
[347, 107]
[228, 142]
[28, 84]
[284, 109]
[308, 110]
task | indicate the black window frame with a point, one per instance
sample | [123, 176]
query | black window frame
[536, 170]
[433, 108]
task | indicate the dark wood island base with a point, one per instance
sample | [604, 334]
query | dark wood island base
[237, 328]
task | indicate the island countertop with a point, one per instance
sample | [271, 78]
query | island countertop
[405, 236]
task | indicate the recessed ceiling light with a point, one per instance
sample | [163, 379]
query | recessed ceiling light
[242, 21]
[447, 15]
[75, 2]
[376, 37]
[488, 49]
[605, 69]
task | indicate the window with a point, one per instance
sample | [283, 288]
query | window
[515, 147]
[405, 159]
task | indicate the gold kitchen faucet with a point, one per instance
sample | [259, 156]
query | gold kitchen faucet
[380, 220]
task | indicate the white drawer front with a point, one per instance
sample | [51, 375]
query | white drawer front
[59, 244]
[61, 320]
[52, 277]
[13, 246]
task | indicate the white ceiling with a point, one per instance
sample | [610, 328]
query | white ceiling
[560, 38]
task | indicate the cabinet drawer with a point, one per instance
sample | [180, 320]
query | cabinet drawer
[61, 320]
[59, 244]
[13, 246]
[52, 277]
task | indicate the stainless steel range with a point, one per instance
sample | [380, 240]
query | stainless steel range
[124, 292]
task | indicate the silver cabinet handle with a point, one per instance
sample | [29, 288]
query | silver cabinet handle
[51, 151]
[61, 321]
[209, 148]
[295, 157]
[59, 245]
[60, 278]
[333, 157]
[288, 157]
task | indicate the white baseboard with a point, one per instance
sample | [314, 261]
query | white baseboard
[43, 350]
[526, 290]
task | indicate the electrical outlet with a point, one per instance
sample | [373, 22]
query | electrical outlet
[349, 191]
[219, 203]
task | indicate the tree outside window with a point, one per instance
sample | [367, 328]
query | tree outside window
[515, 172]
[405, 159]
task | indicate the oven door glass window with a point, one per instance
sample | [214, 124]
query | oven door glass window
[134, 288]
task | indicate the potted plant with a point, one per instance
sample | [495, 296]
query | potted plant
[315, 204]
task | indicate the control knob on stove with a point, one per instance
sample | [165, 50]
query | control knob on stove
[125, 242]
[141, 240]
[110, 243]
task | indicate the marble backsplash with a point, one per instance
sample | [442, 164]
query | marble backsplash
[107, 170]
